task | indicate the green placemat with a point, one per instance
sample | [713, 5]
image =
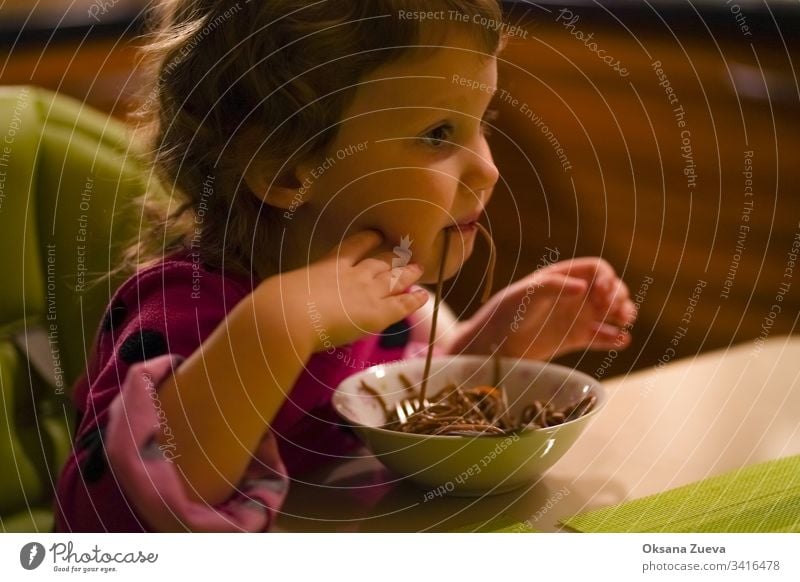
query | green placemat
[760, 498]
[502, 523]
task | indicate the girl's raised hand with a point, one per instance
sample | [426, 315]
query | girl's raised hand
[566, 306]
[582, 304]
[350, 292]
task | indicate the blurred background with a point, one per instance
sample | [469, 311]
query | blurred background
[592, 157]
[660, 135]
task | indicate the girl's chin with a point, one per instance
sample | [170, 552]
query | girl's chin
[457, 255]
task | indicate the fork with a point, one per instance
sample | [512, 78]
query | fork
[406, 408]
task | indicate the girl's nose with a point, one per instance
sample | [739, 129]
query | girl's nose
[483, 174]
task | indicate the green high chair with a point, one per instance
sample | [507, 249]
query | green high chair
[67, 180]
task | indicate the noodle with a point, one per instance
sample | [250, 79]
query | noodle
[480, 410]
[487, 288]
[437, 300]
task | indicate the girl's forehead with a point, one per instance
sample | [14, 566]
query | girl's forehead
[449, 79]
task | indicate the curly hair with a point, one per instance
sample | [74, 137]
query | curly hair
[225, 81]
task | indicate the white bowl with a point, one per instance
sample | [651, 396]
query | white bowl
[464, 465]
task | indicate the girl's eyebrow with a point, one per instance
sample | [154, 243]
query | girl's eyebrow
[491, 114]
[446, 105]
[449, 101]
[457, 92]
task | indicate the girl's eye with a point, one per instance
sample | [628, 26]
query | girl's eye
[489, 117]
[438, 136]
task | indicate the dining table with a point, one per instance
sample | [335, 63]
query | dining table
[679, 422]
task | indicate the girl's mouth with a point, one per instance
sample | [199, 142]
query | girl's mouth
[466, 226]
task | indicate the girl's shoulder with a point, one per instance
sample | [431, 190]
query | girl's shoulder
[170, 306]
[177, 297]
[183, 275]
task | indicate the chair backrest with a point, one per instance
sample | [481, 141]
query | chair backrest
[67, 179]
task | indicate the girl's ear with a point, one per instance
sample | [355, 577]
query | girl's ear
[284, 191]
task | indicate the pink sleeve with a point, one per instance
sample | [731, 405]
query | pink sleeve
[149, 476]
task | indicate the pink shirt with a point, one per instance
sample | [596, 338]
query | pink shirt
[118, 479]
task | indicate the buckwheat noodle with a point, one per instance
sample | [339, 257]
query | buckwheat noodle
[487, 290]
[487, 287]
[437, 300]
[480, 410]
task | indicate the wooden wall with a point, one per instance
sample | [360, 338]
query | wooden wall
[619, 189]
[625, 195]
[99, 70]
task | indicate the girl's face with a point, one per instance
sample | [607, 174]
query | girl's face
[410, 160]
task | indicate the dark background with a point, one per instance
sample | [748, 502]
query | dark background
[625, 197]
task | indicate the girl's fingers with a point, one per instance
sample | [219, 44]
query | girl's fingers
[607, 336]
[619, 294]
[397, 280]
[404, 304]
[604, 287]
[620, 312]
[556, 284]
[602, 329]
[379, 263]
[616, 322]
[626, 313]
[355, 247]
[622, 290]
[587, 268]
[610, 294]
[620, 308]
[572, 286]
[618, 343]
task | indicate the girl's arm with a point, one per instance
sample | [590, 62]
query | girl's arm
[118, 477]
[234, 384]
[220, 401]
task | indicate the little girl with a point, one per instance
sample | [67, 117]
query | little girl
[319, 152]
